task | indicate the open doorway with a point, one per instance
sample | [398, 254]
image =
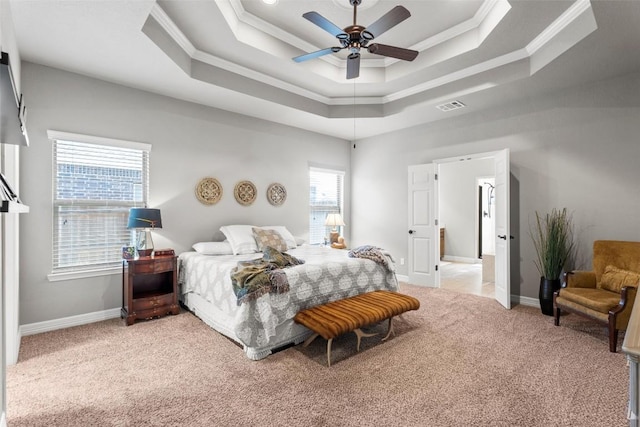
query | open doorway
[467, 214]
[430, 214]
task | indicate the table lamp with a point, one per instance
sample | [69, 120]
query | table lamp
[144, 220]
[334, 220]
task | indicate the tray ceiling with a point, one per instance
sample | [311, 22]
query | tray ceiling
[236, 54]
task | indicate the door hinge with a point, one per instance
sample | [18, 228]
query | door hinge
[436, 267]
[436, 177]
[436, 222]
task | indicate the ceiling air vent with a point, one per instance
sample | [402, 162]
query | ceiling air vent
[453, 105]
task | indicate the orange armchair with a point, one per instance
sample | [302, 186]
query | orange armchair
[607, 293]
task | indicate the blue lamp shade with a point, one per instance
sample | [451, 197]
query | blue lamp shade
[144, 219]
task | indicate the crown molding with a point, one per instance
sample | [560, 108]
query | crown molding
[575, 11]
[172, 29]
[493, 10]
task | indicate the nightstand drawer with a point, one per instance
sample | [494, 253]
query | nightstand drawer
[153, 312]
[155, 265]
[152, 302]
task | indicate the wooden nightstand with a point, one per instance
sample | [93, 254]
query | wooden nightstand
[149, 288]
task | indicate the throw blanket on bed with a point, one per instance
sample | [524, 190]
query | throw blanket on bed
[374, 254]
[254, 278]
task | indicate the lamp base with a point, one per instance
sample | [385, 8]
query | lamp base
[333, 236]
[144, 245]
[143, 253]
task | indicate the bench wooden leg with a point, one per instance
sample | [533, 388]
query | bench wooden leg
[310, 340]
[361, 334]
[329, 352]
[390, 331]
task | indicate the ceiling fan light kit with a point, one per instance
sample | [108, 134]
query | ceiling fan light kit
[356, 37]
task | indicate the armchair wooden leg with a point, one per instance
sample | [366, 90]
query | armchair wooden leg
[613, 336]
[557, 318]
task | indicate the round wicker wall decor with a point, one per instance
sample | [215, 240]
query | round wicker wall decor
[209, 191]
[245, 192]
[276, 194]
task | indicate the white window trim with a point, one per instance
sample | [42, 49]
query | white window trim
[59, 277]
[66, 136]
[90, 139]
[332, 170]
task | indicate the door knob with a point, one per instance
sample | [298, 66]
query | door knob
[411, 231]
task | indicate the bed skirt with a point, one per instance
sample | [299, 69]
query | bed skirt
[287, 333]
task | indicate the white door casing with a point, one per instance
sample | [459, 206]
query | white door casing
[424, 242]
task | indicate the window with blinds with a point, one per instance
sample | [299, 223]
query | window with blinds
[325, 197]
[95, 182]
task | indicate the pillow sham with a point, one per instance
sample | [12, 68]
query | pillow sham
[286, 234]
[241, 238]
[614, 279]
[269, 238]
[213, 248]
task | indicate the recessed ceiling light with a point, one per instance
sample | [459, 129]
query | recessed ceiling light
[270, 1]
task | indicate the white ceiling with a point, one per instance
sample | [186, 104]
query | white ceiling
[236, 54]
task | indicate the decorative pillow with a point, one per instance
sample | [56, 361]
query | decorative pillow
[269, 238]
[241, 238]
[614, 279]
[286, 234]
[213, 248]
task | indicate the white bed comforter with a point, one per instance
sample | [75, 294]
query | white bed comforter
[327, 275]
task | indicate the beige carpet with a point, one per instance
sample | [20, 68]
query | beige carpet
[461, 360]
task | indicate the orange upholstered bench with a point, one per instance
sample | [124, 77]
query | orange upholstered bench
[335, 318]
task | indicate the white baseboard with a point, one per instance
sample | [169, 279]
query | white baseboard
[402, 278]
[68, 322]
[528, 301]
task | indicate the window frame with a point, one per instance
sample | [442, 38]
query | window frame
[91, 270]
[328, 209]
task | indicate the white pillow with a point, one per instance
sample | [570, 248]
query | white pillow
[286, 234]
[213, 248]
[241, 238]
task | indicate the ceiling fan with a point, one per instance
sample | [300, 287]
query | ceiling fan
[355, 37]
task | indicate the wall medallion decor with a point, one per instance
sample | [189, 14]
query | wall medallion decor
[276, 194]
[209, 191]
[245, 192]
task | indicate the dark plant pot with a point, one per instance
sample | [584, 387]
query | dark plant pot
[547, 288]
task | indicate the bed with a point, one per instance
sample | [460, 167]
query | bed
[265, 323]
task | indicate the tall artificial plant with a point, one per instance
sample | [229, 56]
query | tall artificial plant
[552, 236]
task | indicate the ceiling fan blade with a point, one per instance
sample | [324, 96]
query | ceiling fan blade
[387, 21]
[353, 65]
[392, 51]
[316, 54]
[324, 23]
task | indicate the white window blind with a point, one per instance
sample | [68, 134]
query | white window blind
[95, 182]
[325, 197]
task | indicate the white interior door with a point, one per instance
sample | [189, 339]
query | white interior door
[503, 236]
[424, 242]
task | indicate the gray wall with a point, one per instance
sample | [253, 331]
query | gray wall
[189, 142]
[577, 149]
[458, 205]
